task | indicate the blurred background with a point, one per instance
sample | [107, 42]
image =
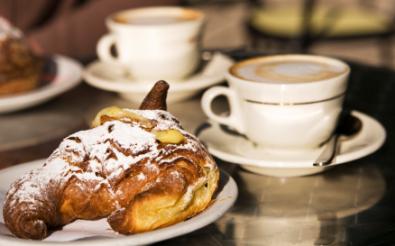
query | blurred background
[353, 29]
[357, 30]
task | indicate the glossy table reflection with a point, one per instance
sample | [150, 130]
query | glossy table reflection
[352, 204]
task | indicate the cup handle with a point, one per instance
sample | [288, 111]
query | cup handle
[234, 119]
[103, 48]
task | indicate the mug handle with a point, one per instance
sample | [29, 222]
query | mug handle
[234, 119]
[103, 48]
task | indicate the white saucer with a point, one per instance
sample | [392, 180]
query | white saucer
[110, 78]
[68, 75]
[237, 149]
[98, 233]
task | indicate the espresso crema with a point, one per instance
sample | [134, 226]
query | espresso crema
[156, 17]
[287, 70]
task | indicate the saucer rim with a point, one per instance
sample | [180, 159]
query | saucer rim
[303, 164]
[190, 83]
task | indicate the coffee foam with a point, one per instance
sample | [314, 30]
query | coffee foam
[155, 20]
[157, 17]
[287, 70]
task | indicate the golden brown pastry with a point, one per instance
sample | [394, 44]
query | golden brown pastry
[19, 67]
[138, 168]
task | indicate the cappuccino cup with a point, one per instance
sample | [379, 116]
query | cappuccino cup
[154, 42]
[283, 102]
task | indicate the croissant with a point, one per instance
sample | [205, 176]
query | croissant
[137, 168]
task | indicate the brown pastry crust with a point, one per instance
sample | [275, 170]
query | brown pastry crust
[19, 68]
[18, 85]
[118, 170]
[156, 98]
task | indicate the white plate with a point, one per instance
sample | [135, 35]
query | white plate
[111, 78]
[236, 149]
[68, 75]
[99, 233]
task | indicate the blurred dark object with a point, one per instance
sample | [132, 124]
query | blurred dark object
[296, 27]
[69, 27]
[49, 71]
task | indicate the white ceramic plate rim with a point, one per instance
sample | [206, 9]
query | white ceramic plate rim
[68, 75]
[195, 82]
[224, 200]
[340, 159]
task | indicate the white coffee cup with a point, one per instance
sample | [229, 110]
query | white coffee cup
[154, 42]
[283, 102]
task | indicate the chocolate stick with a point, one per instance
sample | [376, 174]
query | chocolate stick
[156, 98]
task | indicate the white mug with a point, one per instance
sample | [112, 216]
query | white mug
[282, 116]
[154, 42]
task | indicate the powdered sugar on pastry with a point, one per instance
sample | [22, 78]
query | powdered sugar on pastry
[32, 185]
[164, 119]
[104, 153]
[7, 30]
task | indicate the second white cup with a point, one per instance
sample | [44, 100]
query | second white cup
[154, 43]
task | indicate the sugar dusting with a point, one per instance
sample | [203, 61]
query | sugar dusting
[7, 30]
[103, 163]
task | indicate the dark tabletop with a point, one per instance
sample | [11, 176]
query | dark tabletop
[351, 204]
[363, 190]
